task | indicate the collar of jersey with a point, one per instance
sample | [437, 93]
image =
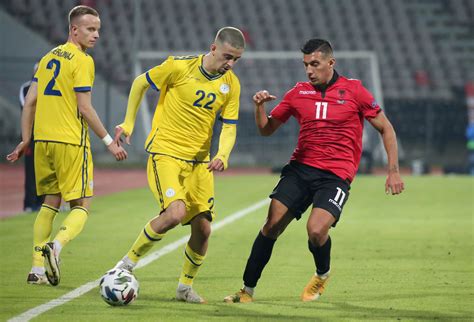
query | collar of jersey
[323, 87]
[206, 74]
[73, 47]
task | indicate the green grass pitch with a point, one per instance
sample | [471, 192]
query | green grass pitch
[407, 257]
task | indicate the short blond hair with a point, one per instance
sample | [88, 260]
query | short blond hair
[232, 36]
[80, 11]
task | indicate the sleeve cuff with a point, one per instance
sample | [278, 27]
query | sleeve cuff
[228, 121]
[83, 89]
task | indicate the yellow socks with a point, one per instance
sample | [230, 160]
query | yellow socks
[42, 232]
[72, 225]
[192, 262]
[145, 241]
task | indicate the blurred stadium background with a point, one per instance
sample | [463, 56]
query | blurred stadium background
[423, 49]
[417, 56]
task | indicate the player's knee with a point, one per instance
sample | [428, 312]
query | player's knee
[271, 229]
[173, 221]
[317, 235]
[202, 225]
[205, 231]
[172, 217]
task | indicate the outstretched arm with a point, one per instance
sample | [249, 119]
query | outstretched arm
[27, 119]
[226, 143]
[394, 182]
[139, 87]
[266, 125]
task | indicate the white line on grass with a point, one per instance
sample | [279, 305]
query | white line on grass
[34, 312]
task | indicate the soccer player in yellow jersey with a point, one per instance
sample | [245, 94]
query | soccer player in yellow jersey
[59, 102]
[193, 90]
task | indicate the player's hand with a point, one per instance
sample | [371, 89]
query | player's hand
[118, 151]
[18, 151]
[216, 165]
[394, 183]
[262, 96]
[119, 131]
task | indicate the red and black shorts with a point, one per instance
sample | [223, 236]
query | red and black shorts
[301, 185]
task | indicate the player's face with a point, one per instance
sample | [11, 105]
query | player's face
[225, 56]
[318, 67]
[86, 31]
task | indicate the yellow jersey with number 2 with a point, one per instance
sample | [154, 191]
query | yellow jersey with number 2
[61, 73]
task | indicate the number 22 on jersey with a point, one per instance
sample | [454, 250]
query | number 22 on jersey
[201, 95]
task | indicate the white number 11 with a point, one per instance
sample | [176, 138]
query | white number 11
[318, 110]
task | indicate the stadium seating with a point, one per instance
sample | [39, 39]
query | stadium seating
[432, 36]
[424, 47]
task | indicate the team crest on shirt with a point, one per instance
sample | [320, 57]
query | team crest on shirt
[170, 192]
[340, 94]
[224, 89]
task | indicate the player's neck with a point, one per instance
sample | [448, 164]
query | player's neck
[76, 43]
[331, 80]
[207, 64]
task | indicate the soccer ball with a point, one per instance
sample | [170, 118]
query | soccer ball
[118, 287]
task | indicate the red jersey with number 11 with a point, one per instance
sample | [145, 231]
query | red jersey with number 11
[331, 123]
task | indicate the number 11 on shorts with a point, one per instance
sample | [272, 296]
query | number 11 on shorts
[340, 196]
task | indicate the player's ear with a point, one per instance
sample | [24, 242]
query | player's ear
[213, 48]
[332, 62]
[73, 29]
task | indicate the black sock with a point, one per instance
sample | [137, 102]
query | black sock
[259, 257]
[321, 256]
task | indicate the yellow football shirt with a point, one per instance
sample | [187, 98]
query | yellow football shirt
[190, 99]
[61, 73]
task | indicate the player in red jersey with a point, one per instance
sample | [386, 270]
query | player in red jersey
[330, 110]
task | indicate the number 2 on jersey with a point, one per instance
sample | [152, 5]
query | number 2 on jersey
[318, 110]
[49, 90]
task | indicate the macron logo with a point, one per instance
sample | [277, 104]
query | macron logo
[307, 92]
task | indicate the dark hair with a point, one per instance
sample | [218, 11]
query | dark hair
[315, 44]
[80, 11]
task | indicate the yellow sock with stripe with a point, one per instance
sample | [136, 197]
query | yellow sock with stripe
[192, 262]
[42, 232]
[72, 225]
[144, 242]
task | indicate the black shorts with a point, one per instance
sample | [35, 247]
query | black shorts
[301, 185]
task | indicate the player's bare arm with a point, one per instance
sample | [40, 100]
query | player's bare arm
[139, 87]
[266, 125]
[394, 183]
[90, 115]
[27, 118]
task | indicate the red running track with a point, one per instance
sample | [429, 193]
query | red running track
[106, 181]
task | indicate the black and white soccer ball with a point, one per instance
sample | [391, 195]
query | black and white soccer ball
[118, 287]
